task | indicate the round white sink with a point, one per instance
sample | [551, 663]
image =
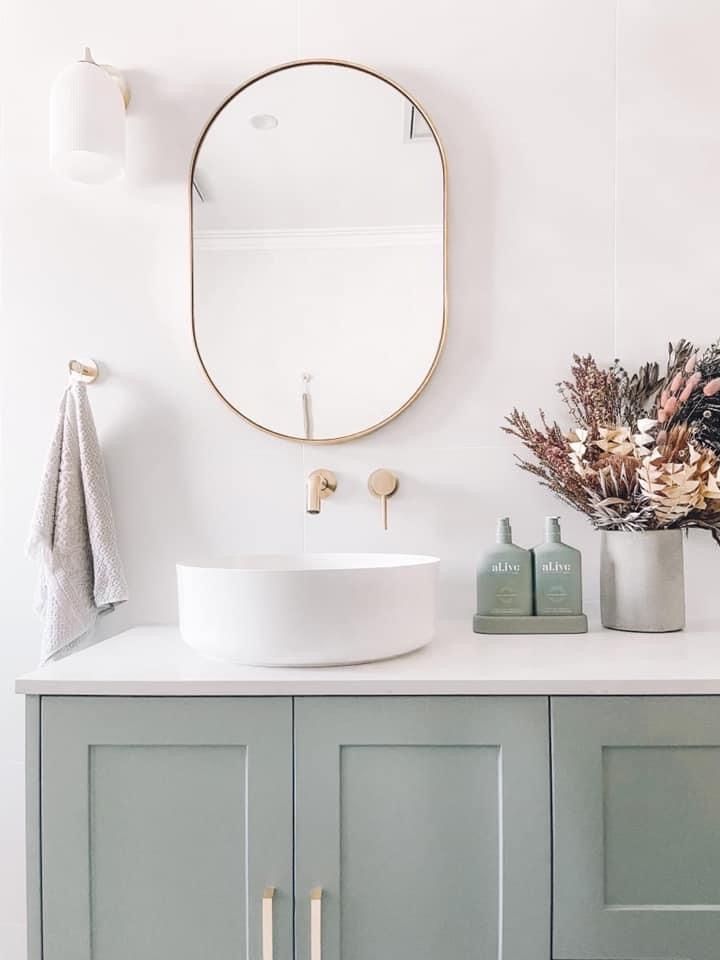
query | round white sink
[315, 609]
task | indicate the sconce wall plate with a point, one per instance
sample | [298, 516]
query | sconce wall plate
[120, 80]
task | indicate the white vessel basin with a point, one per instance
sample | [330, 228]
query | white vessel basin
[310, 609]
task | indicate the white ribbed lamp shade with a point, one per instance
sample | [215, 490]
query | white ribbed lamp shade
[87, 123]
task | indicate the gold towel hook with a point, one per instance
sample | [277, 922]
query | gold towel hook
[85, 371]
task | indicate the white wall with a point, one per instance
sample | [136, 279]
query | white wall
[584, 147]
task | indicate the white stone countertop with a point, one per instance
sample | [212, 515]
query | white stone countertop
[153, 661]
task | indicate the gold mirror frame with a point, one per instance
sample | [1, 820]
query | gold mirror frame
[443, 161]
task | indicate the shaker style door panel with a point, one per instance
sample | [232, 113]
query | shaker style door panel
[425, 822]
[163, 820]
[636, 786]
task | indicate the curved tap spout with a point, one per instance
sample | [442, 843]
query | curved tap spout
[320, 485]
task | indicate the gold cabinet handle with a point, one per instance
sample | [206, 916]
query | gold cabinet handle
[267, 923]
[316, 923]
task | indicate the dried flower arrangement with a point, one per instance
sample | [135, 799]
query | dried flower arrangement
[644, 452]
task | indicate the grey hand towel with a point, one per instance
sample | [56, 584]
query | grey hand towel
[73, 533]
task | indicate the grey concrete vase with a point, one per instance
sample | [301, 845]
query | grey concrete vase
[642, 580]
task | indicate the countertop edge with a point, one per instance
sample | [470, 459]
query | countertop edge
[349, 688]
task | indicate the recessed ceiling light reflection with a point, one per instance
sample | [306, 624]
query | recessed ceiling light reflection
[263, 121]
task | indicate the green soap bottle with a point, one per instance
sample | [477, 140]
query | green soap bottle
[558, 574]
[504, 577]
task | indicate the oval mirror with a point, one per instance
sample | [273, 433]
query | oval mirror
[318, 246]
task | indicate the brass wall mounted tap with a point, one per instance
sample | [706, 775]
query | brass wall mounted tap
[320, 485]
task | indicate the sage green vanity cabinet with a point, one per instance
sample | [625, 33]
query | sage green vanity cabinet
[391, 827]
[426, 823]
[162, 822]
[424, 820]
[636, 784]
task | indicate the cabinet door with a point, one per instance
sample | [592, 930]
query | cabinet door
[163, 820]
[425, 821]
[637, 827]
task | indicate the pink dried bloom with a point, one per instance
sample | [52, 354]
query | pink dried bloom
[691, 364]
[693, 381]
[671, 406]
[712, 387]
[676, 383]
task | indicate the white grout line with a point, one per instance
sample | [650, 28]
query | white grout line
[304, 450]
[615, 184]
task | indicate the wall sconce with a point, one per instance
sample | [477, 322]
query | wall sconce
[87, 121]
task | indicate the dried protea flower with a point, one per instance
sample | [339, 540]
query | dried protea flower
[578, 443]
[707, 467]
[616, 440]
[673, 444]
[614, 513]
[644, 439]
[672, 490]
[616, 476]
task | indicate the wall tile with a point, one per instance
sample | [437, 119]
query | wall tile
[12, 844]
[668, 219]
[668, 69]
[523, 96]
[12, 941]
[668, 284]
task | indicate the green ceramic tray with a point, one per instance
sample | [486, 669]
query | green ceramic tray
[569, 624]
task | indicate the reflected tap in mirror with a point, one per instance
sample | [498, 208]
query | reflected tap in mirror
[307, 407]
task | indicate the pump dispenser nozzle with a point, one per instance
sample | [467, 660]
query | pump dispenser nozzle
[504, 530]
[552, 529]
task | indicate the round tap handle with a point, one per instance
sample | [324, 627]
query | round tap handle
[383, 483]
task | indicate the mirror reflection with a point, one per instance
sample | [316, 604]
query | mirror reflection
[318, 251]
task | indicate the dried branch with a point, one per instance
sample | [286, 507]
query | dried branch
[592, 396]
[639, 392]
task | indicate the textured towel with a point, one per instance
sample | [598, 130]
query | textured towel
[73, 533]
